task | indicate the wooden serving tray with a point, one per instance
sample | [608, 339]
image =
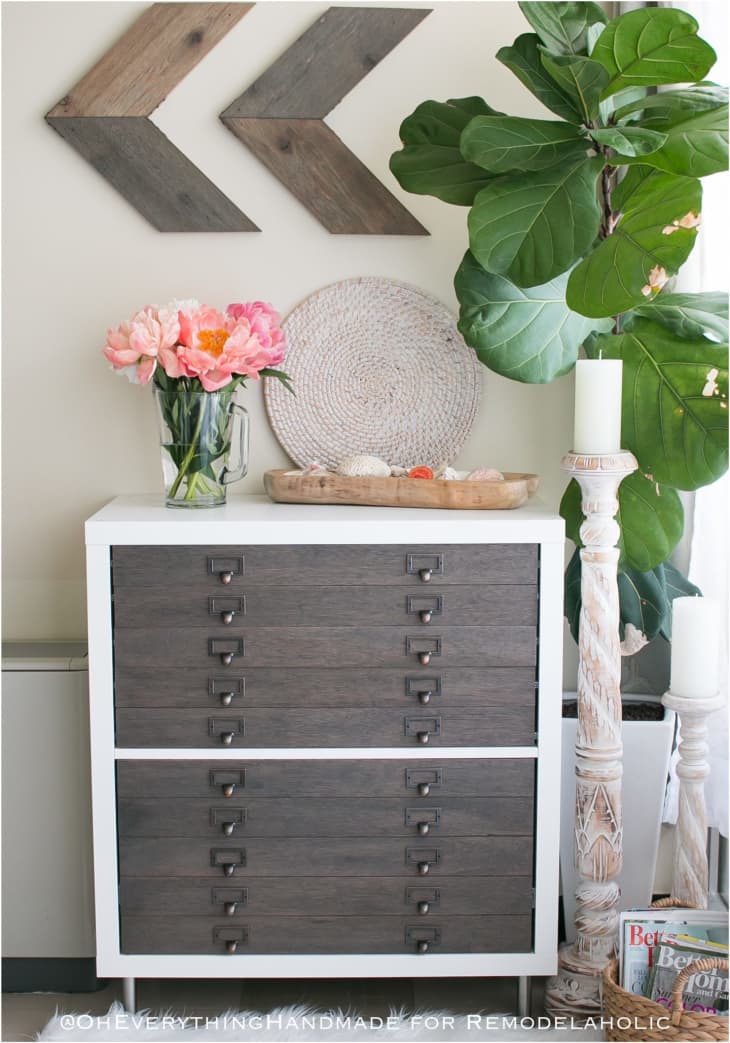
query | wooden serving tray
[401, 492]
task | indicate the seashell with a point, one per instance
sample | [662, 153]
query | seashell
[485, 474]
[362, 466]
[450, 475]
[399, 472]
[313, 468]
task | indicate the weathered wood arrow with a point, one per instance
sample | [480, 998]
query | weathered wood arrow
[106, 117]
[280, 118]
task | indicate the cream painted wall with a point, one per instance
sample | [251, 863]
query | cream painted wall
[78, 258]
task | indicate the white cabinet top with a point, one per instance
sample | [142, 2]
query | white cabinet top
[256, 520]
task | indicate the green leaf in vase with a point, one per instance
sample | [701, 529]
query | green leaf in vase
[652, 46]
[675, 403]
[524, 60]
[430, 162]
[652, 238]
[563, 27]
[629, 141]
[651, 519]
[531, 227]
[580, 78]
[524, 334]
[501, 144]
[689, 315]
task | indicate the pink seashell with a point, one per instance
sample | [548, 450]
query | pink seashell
[485, 474]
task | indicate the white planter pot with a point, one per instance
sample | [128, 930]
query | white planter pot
[647, 747]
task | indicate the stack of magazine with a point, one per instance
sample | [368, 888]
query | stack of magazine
[656, 944]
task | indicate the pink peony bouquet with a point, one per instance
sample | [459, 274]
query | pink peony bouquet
[192, 347]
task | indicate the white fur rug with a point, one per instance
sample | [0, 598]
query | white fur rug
[299, 1024]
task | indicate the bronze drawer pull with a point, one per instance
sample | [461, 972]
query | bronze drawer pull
[426, 615]
[225, 577]
[424, 788]
[423, 828]
[425, 575]
[423, 946]
[423, 908]
[228, 828]
[227, 658]
[229, 868]
[424, 698]
[231, 947]
[227, 617]
[423, 738]
[227, 698]
[423, 868]
[230, 908]
[424, 658]
[228, 788]
[227, 738]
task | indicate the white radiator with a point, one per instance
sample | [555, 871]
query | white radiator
[47, 884]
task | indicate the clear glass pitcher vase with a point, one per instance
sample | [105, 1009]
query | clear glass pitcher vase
[204, 445]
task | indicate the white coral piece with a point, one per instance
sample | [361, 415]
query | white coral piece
[485, 474]
[362, 466]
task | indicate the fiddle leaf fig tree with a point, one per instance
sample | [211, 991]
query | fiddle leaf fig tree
[577, 225]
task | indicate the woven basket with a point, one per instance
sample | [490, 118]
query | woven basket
[643, 1015]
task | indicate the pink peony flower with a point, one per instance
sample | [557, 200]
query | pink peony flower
[264, 323]
[138, 344]
[215, 347]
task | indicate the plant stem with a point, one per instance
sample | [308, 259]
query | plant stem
[182, 470]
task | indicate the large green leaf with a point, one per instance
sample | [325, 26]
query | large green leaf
[676, 586]
[503, 143]
[675, 403]
[652, 46]
[645, 248]
[528, 335]
[582, 79]
[650, 516]
[532, 227]
[563, 27]
[629, 141]
[696, 143]
[524, 60]
[430, 162]
[689, 315]
[695, 98]
[642, 597]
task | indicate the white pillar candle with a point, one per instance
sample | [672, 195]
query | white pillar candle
[695, 661]
[597, 406]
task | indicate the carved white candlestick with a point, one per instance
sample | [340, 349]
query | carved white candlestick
[689, 878]
[598, 838]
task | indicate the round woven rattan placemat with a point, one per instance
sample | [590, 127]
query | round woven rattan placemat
[380, 369]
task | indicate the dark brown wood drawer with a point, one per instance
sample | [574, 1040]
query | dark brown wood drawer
[304, 647]
[155, 685]
[360, 857]
[325, 817]
[424, 779]
[278, 896]
[304, 727]
[326, 934]
[207, 568]
[485, 604]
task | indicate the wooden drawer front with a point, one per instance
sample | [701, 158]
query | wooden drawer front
[361, 857]
[233, 686]
[232, 569]
[303, 647]
[277, 896]
[257, 728]
[326, 934]
[487, 605]
[230, 780]
[334, 817]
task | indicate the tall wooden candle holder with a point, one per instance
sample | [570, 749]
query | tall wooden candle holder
[598, 839]
[689, 878]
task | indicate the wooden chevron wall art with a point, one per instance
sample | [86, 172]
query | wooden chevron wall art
[280, 118]
[106, 117]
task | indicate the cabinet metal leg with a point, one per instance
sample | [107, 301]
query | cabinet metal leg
[524, 987]
[128, 995]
